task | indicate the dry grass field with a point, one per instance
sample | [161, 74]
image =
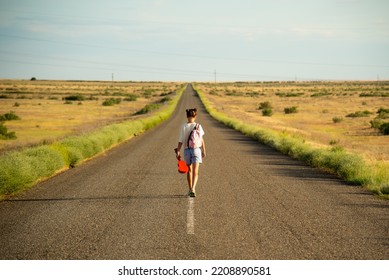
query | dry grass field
[320, 113]
[47, 116]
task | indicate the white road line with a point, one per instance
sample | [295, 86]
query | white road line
[190, 216]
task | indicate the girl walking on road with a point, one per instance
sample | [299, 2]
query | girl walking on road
[194, 149]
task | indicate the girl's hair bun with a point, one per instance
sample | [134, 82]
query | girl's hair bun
[191, 113]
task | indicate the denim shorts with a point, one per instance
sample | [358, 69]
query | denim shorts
[192, 155]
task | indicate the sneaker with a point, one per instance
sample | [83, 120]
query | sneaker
[192, 194]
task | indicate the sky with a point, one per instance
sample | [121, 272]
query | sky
[202, 40]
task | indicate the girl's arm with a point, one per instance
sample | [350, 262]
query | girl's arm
[178, 149]
[203, 152]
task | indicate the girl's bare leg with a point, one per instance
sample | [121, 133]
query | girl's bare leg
[195, 176]
[189, 177]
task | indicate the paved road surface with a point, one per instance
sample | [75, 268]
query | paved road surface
[252, 203]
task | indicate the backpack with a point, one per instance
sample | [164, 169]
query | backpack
[195, 140]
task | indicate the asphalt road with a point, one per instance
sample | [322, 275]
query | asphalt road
[252, 203]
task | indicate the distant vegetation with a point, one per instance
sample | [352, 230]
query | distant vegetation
[359, 114]
[322, 134]
[148, 108]
[56, 109]
[290, 110]
[267, 108]
[112, 101]
[21, 169]
[4, 134]
[11, 116]
[337, 119]
[381, 121]
[77, 97]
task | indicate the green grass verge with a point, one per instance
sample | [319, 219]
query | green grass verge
[351, 167]
[22, 169]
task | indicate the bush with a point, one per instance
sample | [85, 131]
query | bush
[320, 94]
[112, 101]
[384, 128]
[11, 116]
[148, 93]
[290, 110]
[77, 97]
[265, 105]
[383, 113]
[337, 119]
[131, 97]
[148, 108]
[267, 112]
[4, 134]
[359, 114]
[376, 123]
[383, 110]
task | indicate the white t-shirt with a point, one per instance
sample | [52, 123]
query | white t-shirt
[185, 131]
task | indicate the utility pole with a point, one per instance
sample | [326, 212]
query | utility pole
[215, 75]
[112, 79]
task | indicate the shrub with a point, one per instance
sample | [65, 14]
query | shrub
[383, 110]
[379, 121]
[320, 94]
[112, 101]
[265, 105]
[376, 123]
[148, 93]
[4, 134]
[383, 113]
[376, 94]
[292, 94]
[359, 114]
[384, 128]
[131, 97]
[148, 108]
[290, 110]
[267, 112]
[77, 97]
[337, 119]
[11, 116]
